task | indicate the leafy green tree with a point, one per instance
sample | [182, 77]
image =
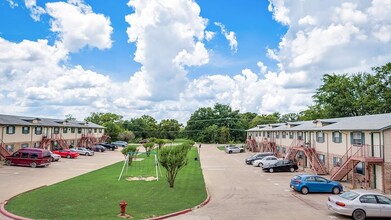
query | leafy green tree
[112, 129]
[313, 112]
[290, 117]
[169, 129]
[148, 147]
[265, 119]
[130, 150]
[126, 136]
[210, 134]
[101, 118]
[173, 159]
[383, 87]
[69, 117]
[161, 142]
[224, 136]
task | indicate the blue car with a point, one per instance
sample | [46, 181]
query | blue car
[306, 183]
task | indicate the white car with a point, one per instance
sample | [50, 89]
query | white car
[233, 149]
[83, 151]
[265, 160]
[361, 204]
[54, 157]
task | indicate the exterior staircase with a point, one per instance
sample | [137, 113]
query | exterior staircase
[45, 142]
[252, 145]
[3, 150]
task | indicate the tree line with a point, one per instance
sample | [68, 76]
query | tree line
[343, 95]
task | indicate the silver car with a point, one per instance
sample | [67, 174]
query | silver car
[360, 204]
[233, 149]
[83, 151]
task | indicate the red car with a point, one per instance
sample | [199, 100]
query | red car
[66, 153]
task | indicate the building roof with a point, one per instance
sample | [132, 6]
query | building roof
[366, 122]
[45, 122]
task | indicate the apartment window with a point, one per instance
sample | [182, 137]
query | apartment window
[291, 135]
[268, 134]
[322, 158]
[9, 147]
[65, 130]
[10, 130]
[263, 134]
[100, 130]
[25, 145]
[300, 135]
[89, 131]
[337, 137]
[337, 161]
[284, 134]
[95, 130]
[56, 130]
[360, 168]
[357, 138]
[284, 150]
[72, 130]
[25, 130]
[319, 137]
[38, 130]
[79, 130]
[72, 142]
[277, 134]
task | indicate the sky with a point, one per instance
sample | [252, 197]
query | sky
[168, 58]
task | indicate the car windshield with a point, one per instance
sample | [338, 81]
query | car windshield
[296, 177]
[349, 195]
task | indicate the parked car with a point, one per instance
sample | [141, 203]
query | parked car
[258, 156]
[66, 153]
[143, 141]
[263, 161]
[54, 157]
[306, 183]
[97, 148]
[281, 166]
[33, 157]
[109, 146]
[361, 204]
[120, 143]
[233, 149]
[83, 151]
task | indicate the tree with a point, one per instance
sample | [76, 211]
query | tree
[69, 117]
[224, 136]
[100, 118]
[265, 119]
[112, 129]
[130, 150]
[383, 87]
[126, 136]
[161, 142]
[290, 117]
[148, 147]
[173, 159]
[169, 129]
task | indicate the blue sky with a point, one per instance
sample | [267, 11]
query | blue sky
[168, 58]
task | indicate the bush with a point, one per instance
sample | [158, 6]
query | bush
[130, 150]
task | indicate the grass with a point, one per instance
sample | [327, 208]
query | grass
[221, 147]
[96, 195]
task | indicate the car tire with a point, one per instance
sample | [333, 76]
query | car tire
[359, 214]
[8, 163]
[51, 159]
[68, 156]
[230, 152]
[33, 165]
[87, 154]
[292, 169]
[304, 190]
[112, 149]
[271, 170]
[100, 150]
[335, 190]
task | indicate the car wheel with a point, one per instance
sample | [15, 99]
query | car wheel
[112, 149]
[87, 154]
[100, 150]
[230, 152]
[304, 190]
[271, 170]
[68, 156]
[359, 214]
[8, 162]
[51, 159]
[292, 169]
[33, 165]
[336, 190]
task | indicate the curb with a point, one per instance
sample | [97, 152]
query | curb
[9, 214]
[206, 201]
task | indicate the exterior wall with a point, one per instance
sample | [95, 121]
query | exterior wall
[387, 146]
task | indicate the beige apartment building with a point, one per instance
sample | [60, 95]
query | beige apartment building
[21, 132]
[354, 149]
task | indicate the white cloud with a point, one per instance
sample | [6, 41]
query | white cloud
[307, 20]
[12, 3]
[36, 11]
[230, 36]
[209, 35]
[262, 67]
[78, 26]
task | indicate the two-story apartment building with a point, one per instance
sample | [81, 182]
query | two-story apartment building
[21, 132]
[356, 149]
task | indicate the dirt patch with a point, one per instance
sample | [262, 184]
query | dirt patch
[141, 178]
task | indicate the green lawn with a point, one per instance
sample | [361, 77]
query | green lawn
[97, 195]
[221, 147]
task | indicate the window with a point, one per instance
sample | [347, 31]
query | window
[95, 130]
[9, 147]
[72, 130]
[319, 137]
[310, 179]
[291, 135]
[89, 131]
[100, 130]
[79, 130]
[321, 179]
[284, 134]
[10, 130]
[384, 200]
[256, 134]
[357, 138]
[337, 161]
[33, 155]
[65, 130]
[277, 134]
[38, 130]
[263, 134]
[25, 155]
[368, 199]
[300, 135]
[322, 158]
[337, 137]
[25, 145]
[25, 130]
[284, 150]
[360, 168]
[268, 134]
[56, 130]
[72, 142]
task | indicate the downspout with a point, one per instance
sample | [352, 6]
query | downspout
[328, 156]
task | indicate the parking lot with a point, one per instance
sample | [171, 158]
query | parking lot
[240, 191]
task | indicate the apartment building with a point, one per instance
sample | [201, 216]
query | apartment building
[21, 132]
[356, 149]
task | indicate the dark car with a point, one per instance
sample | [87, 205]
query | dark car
[120, 143]
[97, 148]
[281, 166]
[258, 156]
[143, 141]
[109, 146]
